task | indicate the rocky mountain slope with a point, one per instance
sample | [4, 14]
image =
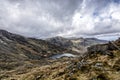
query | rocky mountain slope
[75, 44]
[18, 52]
[17, 47]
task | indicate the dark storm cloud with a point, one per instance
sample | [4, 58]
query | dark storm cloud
[47, 18]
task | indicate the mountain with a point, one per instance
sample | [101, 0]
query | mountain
[19, 53]
[75, 44]
[16, 47]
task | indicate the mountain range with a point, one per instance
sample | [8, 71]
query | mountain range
[16, 47]
[75, 44]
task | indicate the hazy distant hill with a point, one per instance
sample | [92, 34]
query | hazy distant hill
[75, 44]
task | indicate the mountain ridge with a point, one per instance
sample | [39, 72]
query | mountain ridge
[76, 44]
[17, 44]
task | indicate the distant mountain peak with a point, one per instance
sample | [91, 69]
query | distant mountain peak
[3, 32]
[57, 37]
[12, 36]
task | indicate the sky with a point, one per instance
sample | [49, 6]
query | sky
[66, 18]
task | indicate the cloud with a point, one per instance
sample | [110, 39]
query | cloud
[97, 20]
[68, 18]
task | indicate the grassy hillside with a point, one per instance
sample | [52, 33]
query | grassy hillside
[101, 63]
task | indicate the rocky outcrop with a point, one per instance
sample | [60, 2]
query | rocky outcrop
[105, 47]
[98, 48]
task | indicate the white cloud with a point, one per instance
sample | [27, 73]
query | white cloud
[44, 18]
[116, 15]
[106, 20]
